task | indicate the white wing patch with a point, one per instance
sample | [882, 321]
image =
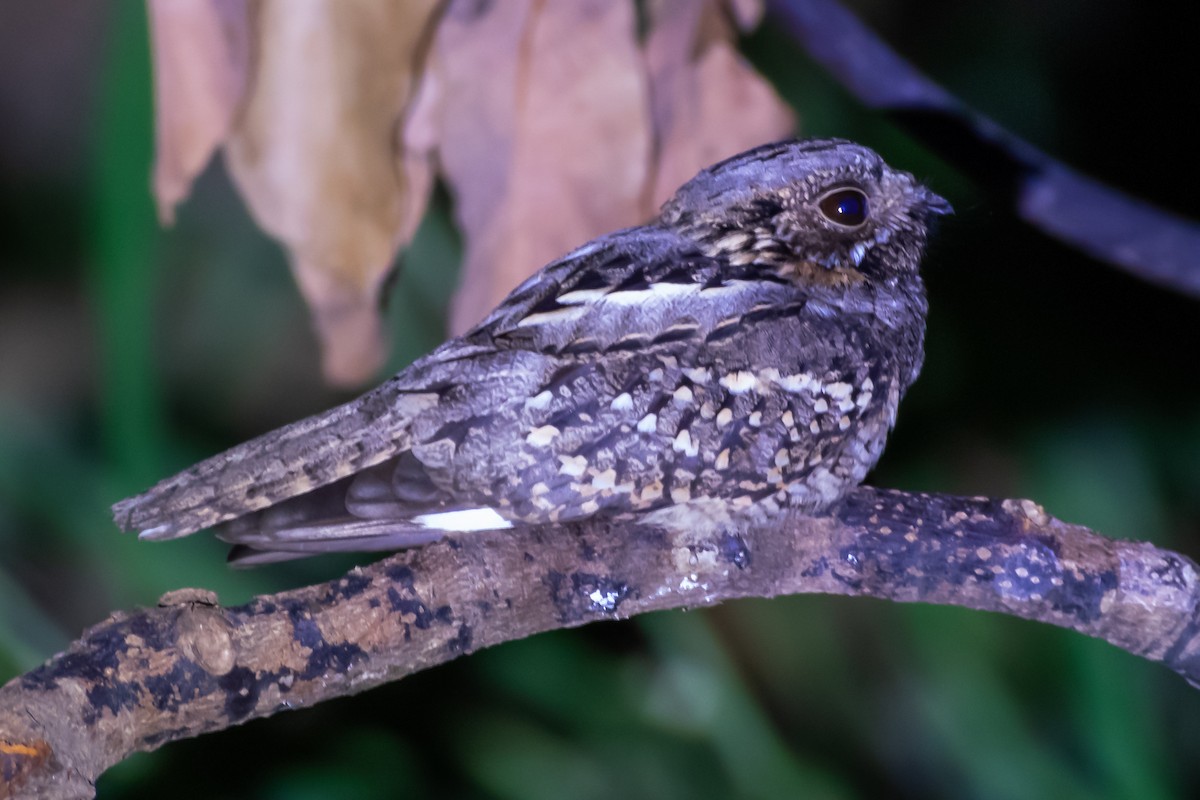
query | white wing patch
[656, 291]
[555, 316]
[578, 296]
[465, 520]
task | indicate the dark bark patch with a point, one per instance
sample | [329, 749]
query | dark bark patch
[349, 586]
[116, 696]
[816, 569]
[1081, 594]
[1172, 572]
[735, 550]
[88, 665]
[94, 666]
[411, 611]
[241, 690]
[400, 574]
[184, 682]
[461, 643]
[323, 656]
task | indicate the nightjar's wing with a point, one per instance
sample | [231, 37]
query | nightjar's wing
[633, 384]
[325, 448]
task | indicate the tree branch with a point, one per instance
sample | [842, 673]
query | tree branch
[140, 679]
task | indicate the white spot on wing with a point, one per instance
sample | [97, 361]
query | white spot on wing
[733, 241]
[541, 437]
[795, 384]
[683, 443]
[572, 465]
[540, 400]
[622, 402]
[839, 390]
[605, 480]
[740, 381]
[467, 519]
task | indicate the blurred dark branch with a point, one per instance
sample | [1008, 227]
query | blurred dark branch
[146, 677]
[1150, 243]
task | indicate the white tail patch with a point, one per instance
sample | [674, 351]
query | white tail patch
[465, 520]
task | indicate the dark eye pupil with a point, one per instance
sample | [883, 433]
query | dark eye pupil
[845, 207]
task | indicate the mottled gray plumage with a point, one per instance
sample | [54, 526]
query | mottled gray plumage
[745, 351]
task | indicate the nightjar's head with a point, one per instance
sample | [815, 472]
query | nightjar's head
[829, 203]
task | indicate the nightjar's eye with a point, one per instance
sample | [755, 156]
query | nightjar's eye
[845, 207]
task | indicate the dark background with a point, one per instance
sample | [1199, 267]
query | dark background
[127, 352]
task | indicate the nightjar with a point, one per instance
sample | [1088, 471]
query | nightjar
[743, 353]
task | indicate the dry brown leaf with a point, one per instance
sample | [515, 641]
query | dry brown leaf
[747, 14]
[708, 103]
[544, 134]
[548, 120]
[416, 152]
[200, 50]
[313, 151]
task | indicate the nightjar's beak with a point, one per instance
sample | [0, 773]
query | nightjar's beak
[935, 203]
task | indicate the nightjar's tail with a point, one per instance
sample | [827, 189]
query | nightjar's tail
[329, 536]
[358, 513]
[284, 463]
